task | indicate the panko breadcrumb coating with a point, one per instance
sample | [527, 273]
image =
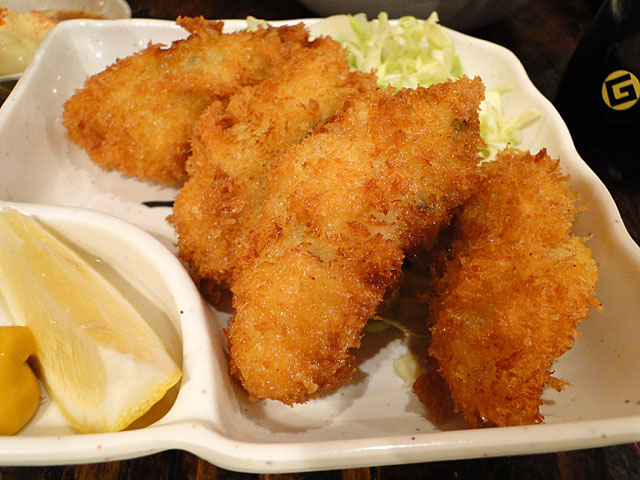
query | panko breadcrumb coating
[342, 208]
[232, 150]
[137, 116]
[515, 285]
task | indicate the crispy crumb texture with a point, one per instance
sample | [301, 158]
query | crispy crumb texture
[342, 208]
[510, 290]
[138, 115]
[233, 149]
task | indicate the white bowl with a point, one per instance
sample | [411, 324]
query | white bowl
[460, 15]
[110, 9]
[374, 420]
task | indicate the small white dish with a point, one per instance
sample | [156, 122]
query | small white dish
[158, 285]
[375, 420]
[109, 9]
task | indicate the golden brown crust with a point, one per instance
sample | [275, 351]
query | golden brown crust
[434, 392]
[516, 284]
[341, 208]
[137, 116]
[232, 149]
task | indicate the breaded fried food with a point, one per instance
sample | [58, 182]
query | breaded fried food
[515, 285]
[232, 150]
[137, 116]
[342, 208]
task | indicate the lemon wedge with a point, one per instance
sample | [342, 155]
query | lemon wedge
[98, 359]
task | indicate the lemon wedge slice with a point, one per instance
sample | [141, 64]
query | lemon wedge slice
[98, 359]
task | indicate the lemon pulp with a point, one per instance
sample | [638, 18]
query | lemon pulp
[98, 359]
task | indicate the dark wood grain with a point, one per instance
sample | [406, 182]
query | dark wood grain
[543, 34]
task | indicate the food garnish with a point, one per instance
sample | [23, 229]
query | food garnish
[19, 387]
[98, 359]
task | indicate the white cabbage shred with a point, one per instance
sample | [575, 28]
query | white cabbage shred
[412, 53]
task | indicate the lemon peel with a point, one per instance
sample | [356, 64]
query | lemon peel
[19, 388]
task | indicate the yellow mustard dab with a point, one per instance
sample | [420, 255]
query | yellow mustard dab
[19, 387]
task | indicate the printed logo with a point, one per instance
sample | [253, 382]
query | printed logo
[621, 90]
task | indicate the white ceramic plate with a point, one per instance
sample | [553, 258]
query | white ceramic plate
[374, 420]
[110, 9]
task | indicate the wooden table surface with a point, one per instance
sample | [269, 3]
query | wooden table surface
[543, 34]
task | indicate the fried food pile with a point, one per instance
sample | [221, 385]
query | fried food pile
[304, 188]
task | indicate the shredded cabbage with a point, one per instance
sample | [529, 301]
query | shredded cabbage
[415, 53]
[408, 54]
[497, 130]
[381, 323]
[254, 23]
[407, 368]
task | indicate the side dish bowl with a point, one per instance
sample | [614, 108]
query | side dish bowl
[109, 9]
[156, 283]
